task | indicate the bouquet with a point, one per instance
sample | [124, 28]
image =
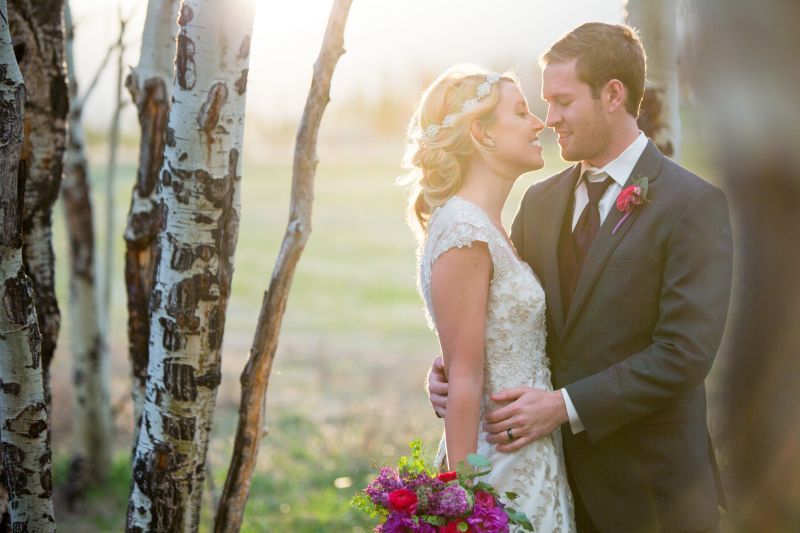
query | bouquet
[414, 498]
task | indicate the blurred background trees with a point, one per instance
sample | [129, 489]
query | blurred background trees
[745, 69]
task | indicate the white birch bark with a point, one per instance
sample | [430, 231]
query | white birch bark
[255, 377]
[37, 28]
[150, 85]
[199, 203]
[24, 442]
[91, 456]
[660, 120]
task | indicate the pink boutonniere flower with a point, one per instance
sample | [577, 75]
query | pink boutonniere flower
[631, 197]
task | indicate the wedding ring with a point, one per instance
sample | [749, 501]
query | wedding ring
[510, 435]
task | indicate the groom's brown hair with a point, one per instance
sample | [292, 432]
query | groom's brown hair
[604, 52]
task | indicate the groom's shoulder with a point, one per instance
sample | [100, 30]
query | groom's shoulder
[685, 183]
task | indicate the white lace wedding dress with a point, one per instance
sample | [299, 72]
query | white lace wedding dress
[515, 356]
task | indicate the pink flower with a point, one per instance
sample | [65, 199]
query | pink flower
[484, 499]
[403, 501]
[631, 197]
[484, 520]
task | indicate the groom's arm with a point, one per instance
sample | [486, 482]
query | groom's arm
[693, 305]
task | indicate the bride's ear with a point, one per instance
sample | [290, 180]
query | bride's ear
[480, 135]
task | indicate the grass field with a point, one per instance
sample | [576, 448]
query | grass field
[346, 390]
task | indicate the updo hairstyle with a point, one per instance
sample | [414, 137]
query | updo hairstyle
[436, 162]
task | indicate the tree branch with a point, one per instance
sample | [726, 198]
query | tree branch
[255, 377]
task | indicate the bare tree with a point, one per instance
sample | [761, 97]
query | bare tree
[24, 442]
[255, 377]
[660, 120]
[199, 204]
[150, 85]
[37, 27]
[745, 62]
[111, 171]
[92, 426]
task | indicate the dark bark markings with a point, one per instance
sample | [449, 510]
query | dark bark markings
[650, 120]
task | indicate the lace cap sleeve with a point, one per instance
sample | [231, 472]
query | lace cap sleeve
[452, 226]
[459, 234]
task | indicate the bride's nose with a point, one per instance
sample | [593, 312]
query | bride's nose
[536, 123]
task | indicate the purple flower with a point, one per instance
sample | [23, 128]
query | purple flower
[488, 520]
[397, 523]
[387, 481]
[412, 481]
[453, 500]
[424, 527]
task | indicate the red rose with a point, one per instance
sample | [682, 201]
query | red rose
[452, 526]
[447, 476]
[403, 501]
[628, 198]
[484, 499]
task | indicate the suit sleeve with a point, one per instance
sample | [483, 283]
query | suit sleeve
[693, 306]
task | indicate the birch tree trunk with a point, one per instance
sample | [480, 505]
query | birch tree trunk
[91, 457]
[37, 27]
[150, 85]
[24, 442]
[745, 63]
[255, 377]
[659, 118]
[199, 203]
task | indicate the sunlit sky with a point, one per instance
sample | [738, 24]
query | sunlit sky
[390, 45]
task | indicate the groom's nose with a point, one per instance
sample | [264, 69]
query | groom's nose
[552, 118]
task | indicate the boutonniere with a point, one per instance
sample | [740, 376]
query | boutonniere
[631, 197]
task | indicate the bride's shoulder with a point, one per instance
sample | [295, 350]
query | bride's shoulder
[457, 223]
[457, 212]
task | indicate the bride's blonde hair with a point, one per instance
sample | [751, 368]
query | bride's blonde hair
[436, 160]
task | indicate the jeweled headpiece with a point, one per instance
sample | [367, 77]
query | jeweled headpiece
[429, 133]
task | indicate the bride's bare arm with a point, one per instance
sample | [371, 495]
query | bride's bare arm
[459, 292]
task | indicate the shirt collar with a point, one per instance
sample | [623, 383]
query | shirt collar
[620, 168]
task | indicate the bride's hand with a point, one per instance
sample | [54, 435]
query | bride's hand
[530, 415]
[436, 385]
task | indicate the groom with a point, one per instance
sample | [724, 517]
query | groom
[636, 301]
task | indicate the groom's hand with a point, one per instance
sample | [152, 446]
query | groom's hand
[530, 415]
[437, 387]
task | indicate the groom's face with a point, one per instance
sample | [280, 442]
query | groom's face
[576, 116]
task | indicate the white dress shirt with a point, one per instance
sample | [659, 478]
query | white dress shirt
[619, 169]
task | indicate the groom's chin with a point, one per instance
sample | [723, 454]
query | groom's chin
[568, 157]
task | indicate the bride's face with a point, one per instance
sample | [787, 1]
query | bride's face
[515, 132]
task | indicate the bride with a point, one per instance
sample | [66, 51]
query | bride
[470, 138]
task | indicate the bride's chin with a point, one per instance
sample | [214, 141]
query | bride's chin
[535, 165]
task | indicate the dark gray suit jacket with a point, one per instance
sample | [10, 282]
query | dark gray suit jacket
[635, 346]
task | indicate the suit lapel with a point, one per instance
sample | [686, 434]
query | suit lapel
[649, 165]
[555, 204]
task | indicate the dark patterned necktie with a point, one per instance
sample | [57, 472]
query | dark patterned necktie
[589, 222]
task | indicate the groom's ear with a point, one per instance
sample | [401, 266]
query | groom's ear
[615, 94]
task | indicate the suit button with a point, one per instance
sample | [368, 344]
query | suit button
[563, 364]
